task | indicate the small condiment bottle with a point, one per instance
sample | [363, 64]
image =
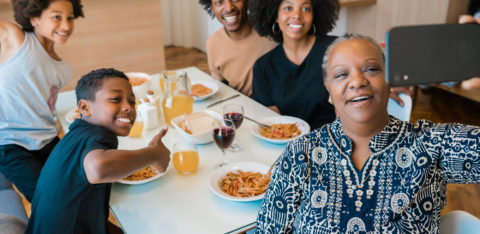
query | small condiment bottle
[156, 101]
[149, 114]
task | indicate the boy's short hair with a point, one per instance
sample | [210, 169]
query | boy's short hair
[24, 10]
[90, 83]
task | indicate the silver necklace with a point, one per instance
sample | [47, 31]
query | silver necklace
[357, 188]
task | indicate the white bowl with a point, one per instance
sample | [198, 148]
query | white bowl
[210, 84]
[203, 138]
[281, 119]
[140, 91]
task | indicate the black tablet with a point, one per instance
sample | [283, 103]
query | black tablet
[428, 54]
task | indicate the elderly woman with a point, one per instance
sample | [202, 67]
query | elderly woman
[367, 171]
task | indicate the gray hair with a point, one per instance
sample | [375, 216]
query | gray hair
[344, 38]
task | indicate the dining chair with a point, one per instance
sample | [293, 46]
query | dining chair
[400, 112]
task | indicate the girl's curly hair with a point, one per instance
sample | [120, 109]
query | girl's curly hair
[263, 14]
[24, 10]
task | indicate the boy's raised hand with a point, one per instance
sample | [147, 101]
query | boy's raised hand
[162, 153]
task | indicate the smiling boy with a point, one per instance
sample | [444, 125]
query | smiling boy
[73, 190]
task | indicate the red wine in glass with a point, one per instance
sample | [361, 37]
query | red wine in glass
[235, 117]
[223, 136]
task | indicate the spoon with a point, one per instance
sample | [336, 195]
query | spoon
[259, 124]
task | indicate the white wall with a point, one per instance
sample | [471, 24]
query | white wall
[187, 24]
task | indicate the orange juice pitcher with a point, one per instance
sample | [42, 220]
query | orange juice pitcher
[177, 100]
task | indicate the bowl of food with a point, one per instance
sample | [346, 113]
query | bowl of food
[197, 127]
[140, 82]
[283, 129]
[240, 181]
[203, 89]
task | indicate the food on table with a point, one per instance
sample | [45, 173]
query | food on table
[244, 184]
[197, 123]
[199, 90]
[145, 173]
[136, 81]
[280, 131]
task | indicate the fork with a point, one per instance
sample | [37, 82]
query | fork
[259, 124]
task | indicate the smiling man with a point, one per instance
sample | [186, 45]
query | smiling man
[233, 49]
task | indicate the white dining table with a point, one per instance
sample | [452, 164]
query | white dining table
[178, 203]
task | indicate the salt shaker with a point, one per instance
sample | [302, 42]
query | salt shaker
[149, 114]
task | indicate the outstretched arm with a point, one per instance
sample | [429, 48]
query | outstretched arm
[106, 166]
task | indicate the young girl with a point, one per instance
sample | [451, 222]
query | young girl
[31, 73]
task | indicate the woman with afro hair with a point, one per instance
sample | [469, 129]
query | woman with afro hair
[288, 79]
[31, 74]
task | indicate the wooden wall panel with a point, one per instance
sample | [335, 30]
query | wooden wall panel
[124, 34]
[376, 20]
[408, 12]
[362, 20]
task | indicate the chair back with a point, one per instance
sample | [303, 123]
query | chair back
[400, 112]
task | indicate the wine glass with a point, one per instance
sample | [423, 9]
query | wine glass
[223, 136]
[234, 112]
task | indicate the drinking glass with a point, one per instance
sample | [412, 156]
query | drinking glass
[223, 136]
[137, 128]
[234, 112]
[185, 157]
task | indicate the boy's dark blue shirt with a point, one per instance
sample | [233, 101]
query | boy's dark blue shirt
[64, 200]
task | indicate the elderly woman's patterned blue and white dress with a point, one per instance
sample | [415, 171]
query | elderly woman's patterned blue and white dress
[401, 188]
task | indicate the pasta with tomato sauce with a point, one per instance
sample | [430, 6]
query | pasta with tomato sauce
[145, 173]
[244, 184]
[281, 131]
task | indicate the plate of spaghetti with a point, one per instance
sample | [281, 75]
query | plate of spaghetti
[203, 89]
[143, 176]
[241, 181]
[283, 129]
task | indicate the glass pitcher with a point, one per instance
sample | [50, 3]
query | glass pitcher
[177, 100]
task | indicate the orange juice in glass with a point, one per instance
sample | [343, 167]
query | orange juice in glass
[177, 100]
[137, 128]
[185, 157]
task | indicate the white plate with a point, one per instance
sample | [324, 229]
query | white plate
[140, 91]
[70, 116]
[135, 182]
[210, 84]
[219, 173]
[301, 125]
